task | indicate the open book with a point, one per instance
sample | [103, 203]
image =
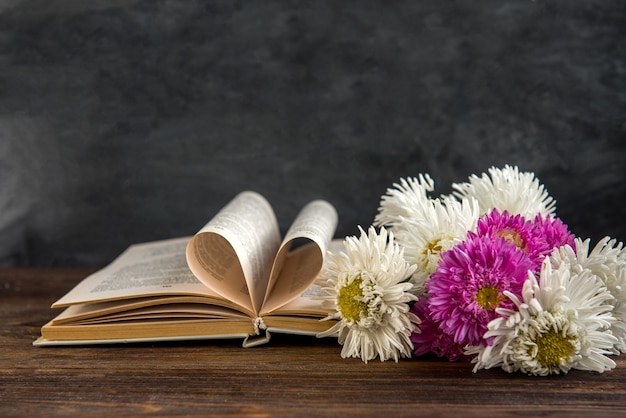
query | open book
[235, 278]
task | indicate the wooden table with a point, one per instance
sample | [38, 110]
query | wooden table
[292, 376]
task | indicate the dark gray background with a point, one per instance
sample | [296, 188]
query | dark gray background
[126, 121]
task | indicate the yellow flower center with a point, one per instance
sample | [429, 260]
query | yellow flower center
[552, 347]
[432, 247]
[351, 308]
[488, 297]
[513, 237]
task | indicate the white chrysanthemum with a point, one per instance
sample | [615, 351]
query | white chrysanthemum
[425, 227]
[441, 225]
[369, 294]
[562, 323]
[508, 189]
[607, 260]
[404, 200]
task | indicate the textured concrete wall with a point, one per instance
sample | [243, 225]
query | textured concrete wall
[125, 121]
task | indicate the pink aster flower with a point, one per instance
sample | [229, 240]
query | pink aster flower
[431, 339]
[518, 231]
[469, 285]
[554, 233]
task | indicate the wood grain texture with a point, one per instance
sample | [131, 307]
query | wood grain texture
[291, 376]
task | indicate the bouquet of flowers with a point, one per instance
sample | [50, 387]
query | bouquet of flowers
[487, 274]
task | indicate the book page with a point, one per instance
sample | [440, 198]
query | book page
[233, 253]
[308, 303]
[295, 269]
[100, 310]
[165, 308]
[147, 269]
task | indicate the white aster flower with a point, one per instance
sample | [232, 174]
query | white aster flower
[607, 260]
[368, 292]
[404, 200]
[507, 189]
[561, 323]
[425, 227]
[441, 226]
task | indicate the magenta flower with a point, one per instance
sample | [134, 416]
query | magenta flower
[469, 282]
[431, 339]
[554, 233]
[518, 231]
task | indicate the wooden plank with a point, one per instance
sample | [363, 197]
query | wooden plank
[292, 375]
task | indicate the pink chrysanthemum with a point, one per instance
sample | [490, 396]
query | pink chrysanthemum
[518, 231]
[554, 232]
[431, 339]
[469, 282]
